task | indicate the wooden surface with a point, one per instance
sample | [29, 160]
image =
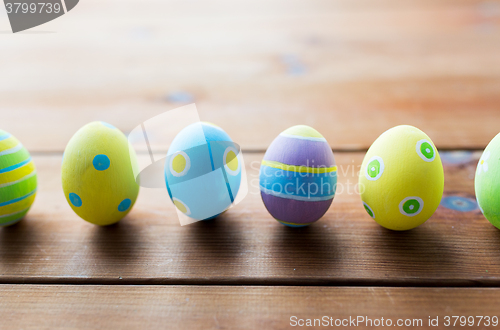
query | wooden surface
[223, 307]
[246, 246]
[350, 68]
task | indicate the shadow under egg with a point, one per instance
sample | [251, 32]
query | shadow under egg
[217, 246]
[17, 241]
[215, 238]
[313, 249]
[116, 244]
[422, 250]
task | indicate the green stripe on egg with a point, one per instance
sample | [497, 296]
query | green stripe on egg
[10, 219]
[8, 160]
[17, 190]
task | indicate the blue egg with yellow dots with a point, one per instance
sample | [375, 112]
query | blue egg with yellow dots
[203, 171]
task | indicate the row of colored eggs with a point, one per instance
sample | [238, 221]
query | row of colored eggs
[401, 178]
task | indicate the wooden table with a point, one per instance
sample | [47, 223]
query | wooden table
[351, 69]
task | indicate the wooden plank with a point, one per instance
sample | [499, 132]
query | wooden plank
[225, 307]
[246, 246]
[351, 69]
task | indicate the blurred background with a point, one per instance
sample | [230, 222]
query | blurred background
[350, 68]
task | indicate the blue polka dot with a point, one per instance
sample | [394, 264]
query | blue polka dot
[75, 200]
[458, 203]
[108, 125]
[101, 162]
[124, 205]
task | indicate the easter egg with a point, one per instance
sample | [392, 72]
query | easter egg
[487, 182]
[18, 181]
[298, 177]
[203, 171]
[401, 180]
[98, 174]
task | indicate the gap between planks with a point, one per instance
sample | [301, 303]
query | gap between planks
[451, 284]
[261, 151]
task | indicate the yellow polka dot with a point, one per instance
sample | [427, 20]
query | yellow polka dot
[232, 161]
[179, 163]
[482, 162]
[180, 206]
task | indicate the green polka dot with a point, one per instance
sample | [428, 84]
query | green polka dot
[369, 210]
[411, 206]
[373, 168]
[427, 150]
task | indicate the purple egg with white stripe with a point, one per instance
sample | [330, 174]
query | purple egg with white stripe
[298, 177]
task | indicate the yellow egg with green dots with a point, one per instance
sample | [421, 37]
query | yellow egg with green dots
[98, 174]
[18, 180]
[401, 179]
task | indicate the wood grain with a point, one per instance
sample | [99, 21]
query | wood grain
[246, 246]
[351, 69]
[226, 307]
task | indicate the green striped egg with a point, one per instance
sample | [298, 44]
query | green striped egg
[18, 182]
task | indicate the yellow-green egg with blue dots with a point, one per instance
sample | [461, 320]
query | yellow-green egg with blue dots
[487, 182]
[401, 180]
[98, 174]
[18, 180]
